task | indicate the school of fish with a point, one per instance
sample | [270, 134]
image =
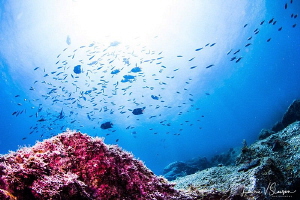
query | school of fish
[92, 81]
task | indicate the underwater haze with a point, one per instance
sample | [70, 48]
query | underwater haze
[166, 80]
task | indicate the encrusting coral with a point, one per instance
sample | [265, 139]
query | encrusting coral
[73, 165]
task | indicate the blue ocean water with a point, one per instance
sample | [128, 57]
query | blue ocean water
[206, 74]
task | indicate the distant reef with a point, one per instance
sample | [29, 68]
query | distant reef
[267, 169]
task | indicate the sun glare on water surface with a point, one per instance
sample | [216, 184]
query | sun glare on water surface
[119, 19]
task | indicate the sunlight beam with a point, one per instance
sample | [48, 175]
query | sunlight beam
[119, 19]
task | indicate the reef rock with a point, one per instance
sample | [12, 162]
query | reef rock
[225, 158]
[290, 116]
[182, 168]
[73, 165]
[178, 169]
[264, 133]
[266, 169]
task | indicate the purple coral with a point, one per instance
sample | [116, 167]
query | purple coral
[73, 165]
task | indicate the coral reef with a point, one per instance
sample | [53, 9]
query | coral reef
[73, 165]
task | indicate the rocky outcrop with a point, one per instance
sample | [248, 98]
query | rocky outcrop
[182, 168]
[73, 165]
[225, 158]
[290, 116]
[179, 169]
[266, 169]
[264, 133]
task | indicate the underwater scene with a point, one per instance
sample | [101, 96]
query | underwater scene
[182, 85]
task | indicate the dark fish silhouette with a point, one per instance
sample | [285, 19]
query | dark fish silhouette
[106, 125]
[238, 60]
[61, 114]
[77, 69]
[115, 71]
[138, 111]
[154, 97]
[285, 6]
[209, 66]
[237, 51]
[41, 120]
[93, 63]
[128, 77]
[136, 69]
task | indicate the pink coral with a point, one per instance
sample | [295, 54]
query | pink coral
[73, 165]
